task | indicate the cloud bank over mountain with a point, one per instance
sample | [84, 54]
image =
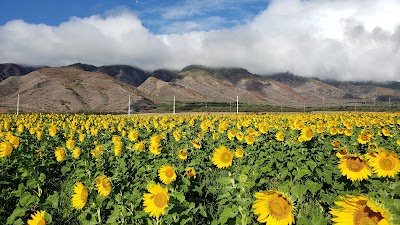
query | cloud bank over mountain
[345, 40]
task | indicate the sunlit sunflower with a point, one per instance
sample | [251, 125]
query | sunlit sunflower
[76, 152]
[6, 149]
[117, 148]
[37, 218]
[385, 164]
[196, 143]
[155, 149]
[103, 185]
[335, 143]
[280, 136]
[133, 135]
[341, 152]
[273, 208]
[359, 210]
[354, 167]
[249, 139]
[139, 146]
[70, 144]
[79, 198]
[167, 174]
[239, 153]
[363, 139]
[156, 202]
[60, 154]
[182, 154]
[307, 133]
[222, 157]
[190, 172]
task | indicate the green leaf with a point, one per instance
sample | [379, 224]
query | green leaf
[27, 199]
[19, 222]
[179, 196]
[48, 218]
[21, 189]
[320, 220]
[314, 187]
[226, 214]
[298, 191]
[42, 177]
[311, 165]
[302, 172]
[31, 183]
[291, 165]
[53, 200]
[18, 212]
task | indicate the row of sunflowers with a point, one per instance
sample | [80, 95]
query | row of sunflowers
[277, 169]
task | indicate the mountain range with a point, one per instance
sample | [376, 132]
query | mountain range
[87, 88]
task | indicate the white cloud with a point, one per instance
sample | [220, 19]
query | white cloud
[347, 40]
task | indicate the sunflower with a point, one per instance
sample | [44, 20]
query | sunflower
[222, 157]
[167, 174]
[133, 135]
[190, 172]
[52, 131]
[70, 144]
[80, 196]
[6, 149]
[155, 149]
[117, 148]
[103, 185]
[354, 167]
[363, 138]
[76, 152]
[140, 146]
[239, 153]
[341, 152]
[273, 207]
[249, 139]
[280, 136]
[14, 141]
[37, 218]
[156, 202]
[307, 133]
[182, 154]
[385, 164]
[60, 154]
[359, 210]
[196, 143]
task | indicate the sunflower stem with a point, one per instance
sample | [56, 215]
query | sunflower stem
[98, 215]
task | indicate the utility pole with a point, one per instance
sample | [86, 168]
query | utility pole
[129, 105]
[389, 104]
[230, 105]
[18, 105]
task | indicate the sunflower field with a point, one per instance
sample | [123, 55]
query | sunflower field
[275, 169]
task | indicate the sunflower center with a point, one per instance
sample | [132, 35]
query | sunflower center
[169, 172]
[105, 183]
[364, 137]
[365, 216]
[160, 200]
[355, 164]
[226, 157]
[386, 163]
[279, 207]
[41, 222]
[183, 153]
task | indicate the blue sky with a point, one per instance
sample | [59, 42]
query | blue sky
[334, 39]
[159, 16]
